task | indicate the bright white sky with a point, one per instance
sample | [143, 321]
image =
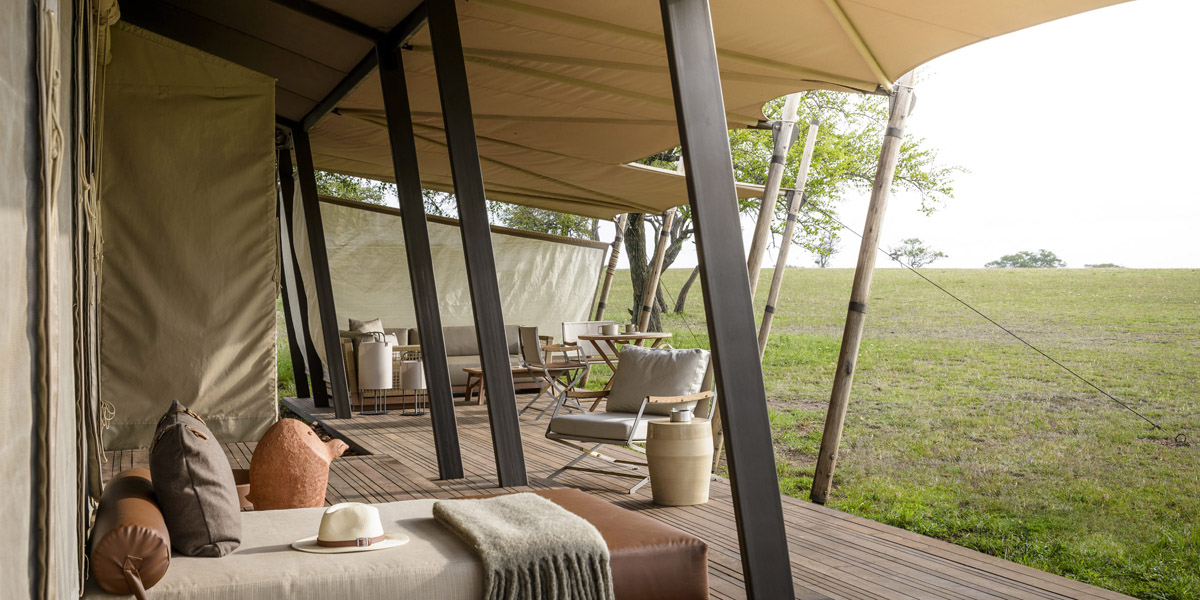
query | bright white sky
[1081, 136]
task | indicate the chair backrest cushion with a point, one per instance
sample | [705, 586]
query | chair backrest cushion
[656, 372]
[571, 331]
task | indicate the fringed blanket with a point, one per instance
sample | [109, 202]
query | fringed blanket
[531, 548]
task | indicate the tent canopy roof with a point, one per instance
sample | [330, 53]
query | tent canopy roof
[566, 93]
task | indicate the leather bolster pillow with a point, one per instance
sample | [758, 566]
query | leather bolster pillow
[131, 548]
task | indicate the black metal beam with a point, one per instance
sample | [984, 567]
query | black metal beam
[333, 19]
[477, 241]
[399, 34]
[700, 111]
[320, 394]
[420, 262]
[286, 193]
[335, 362]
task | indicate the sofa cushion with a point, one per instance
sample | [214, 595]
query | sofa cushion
[603, 425]
[460, 340]
[433, 564]
[372, 326]
[656, 372]
[399, 333]
[194, 485]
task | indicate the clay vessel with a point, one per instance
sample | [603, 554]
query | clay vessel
[290, 467]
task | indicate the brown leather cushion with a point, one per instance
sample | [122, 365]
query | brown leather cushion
[131, 548]
[650, 559]
[194, 486]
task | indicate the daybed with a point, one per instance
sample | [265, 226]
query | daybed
[649, 559]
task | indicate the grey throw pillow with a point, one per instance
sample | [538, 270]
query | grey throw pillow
[194, 485]
[373, 326]
[656, 372]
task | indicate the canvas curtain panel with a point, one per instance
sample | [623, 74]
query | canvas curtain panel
[544, 280]
[190, 259]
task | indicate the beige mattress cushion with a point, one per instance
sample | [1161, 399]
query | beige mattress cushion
[433, 564]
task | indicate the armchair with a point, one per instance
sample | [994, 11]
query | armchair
[648, 384]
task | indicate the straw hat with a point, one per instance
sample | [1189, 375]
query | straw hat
[350, 527]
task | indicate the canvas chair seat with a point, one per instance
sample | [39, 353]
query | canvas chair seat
[615, 427]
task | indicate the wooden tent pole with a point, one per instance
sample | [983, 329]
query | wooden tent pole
[766, 211]
[860, 292]
[795, 201]
[611, 270]
[650, 295]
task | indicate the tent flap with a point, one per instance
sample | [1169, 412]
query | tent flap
[190, 273]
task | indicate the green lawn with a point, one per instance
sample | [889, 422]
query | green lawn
[957, 431]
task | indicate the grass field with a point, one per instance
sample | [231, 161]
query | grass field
[959, 432]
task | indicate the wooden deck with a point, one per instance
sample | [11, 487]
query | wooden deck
[833, 554]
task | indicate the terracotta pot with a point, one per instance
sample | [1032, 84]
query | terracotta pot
[290, 467]
[241, 478]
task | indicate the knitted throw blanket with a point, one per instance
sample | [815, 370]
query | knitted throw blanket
[531, 548]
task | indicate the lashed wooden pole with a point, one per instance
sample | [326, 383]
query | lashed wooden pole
[795, 201]
[650, 295]
[860, 292]
[766, 211]
[613, 257]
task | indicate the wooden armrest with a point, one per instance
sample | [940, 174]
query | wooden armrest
[559, 347]
[588, 393]
[675, 399]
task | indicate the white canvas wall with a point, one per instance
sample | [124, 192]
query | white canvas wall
[544, 280]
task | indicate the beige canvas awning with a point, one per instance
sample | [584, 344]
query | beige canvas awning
[566, 93]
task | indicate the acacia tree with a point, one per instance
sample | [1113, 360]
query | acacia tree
[1025, 259]
[844, 160]
[914, 253]
[824, 247]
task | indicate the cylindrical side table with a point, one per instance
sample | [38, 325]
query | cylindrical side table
[680, 458]
[375, 374]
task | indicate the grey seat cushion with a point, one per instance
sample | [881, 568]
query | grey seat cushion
[194, 485]
[656, 372]
[603, 425]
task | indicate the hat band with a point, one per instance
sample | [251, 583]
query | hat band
[355, 543]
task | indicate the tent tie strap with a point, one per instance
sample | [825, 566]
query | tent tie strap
[895, 132]
[858, 307]
[770, 310]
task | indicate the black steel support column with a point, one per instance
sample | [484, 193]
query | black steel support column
[299, 372]
[316, 384]
[420, 262]
[477, 241]
[324, 287]
[700, 111]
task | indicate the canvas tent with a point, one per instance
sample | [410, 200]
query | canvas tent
[564, 95]
[544, 279]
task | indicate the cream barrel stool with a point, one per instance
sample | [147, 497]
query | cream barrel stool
[680, 456]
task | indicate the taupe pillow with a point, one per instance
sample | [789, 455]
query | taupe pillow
[656, 372]
[373, 326]
[194, 485]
